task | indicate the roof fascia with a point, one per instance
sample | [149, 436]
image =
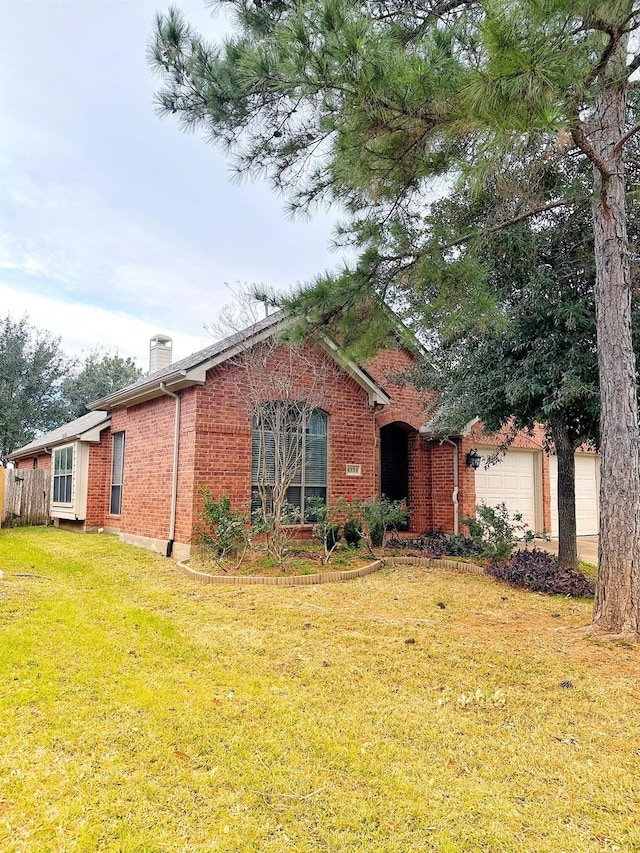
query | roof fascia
[92, 436]
[174, 381]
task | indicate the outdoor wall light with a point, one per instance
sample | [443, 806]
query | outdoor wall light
[473, 459]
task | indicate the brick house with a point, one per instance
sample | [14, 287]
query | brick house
[134, 465]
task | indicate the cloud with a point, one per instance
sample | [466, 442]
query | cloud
[109, 215]
[94, 251]
[82, 326]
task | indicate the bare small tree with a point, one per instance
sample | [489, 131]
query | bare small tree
[285, 387]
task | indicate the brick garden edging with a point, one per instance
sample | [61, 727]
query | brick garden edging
[435, 563]
[330, 577]
[291, 580]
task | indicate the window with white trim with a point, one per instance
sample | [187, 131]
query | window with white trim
[117, 471]
[290, 451]
[63, 475]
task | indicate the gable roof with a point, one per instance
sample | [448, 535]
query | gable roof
[192, 370]
[85, 428]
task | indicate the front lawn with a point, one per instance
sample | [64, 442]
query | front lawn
[411, 710]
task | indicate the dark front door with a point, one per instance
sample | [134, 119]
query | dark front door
[394, 463]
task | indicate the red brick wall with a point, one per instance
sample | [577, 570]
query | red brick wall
[99, 483]
[224, 426]
[442, 456]
[44, 462]
[408, 405]
[215, 443]
[148, 466]
[419, 498]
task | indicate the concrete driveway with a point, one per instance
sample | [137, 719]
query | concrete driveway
[587, 547]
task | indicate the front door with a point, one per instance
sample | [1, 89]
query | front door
[394, 463]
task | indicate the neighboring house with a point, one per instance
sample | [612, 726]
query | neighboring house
[135, 466]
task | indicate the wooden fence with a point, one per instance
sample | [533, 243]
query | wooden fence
[24, 497]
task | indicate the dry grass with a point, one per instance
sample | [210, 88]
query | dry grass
[412, 710]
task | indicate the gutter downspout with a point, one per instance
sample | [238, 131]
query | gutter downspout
[174, 476]
[456, 485]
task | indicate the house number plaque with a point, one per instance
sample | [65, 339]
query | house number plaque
[354, 470]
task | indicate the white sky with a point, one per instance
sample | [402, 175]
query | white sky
[114, 224]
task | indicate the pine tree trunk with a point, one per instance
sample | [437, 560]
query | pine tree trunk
[565, 451]
[617, 603]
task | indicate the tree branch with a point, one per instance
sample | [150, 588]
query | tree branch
[508, 223]
[438, 11]
[604, 59]
[450, 6]
[627, 136]
[552, 205]
[578, 136]
[633, 65]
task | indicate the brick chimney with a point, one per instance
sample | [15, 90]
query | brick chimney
[159, 353]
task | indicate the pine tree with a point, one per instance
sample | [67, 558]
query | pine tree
[369, 104]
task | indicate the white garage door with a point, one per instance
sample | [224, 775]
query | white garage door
[511, 481]
[587, 494]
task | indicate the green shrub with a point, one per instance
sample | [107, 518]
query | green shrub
[325, 528]
[221, 531]
[383, 515]
[352, 532]
[497, 532]
[371, 519]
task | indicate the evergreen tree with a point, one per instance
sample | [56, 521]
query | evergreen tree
[32, 366]
[518, 344]
[532, 358]
[368, 104]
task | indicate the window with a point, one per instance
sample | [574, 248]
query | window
[117, 469]
[69, 481]
[290, 455]
[63, 475]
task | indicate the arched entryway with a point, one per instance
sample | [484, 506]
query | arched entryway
[404, 471]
